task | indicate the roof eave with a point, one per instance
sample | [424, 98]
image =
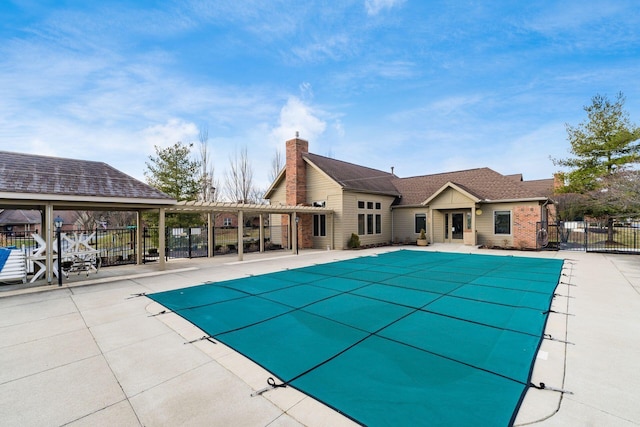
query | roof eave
[61, 199]
[275, 183]
[526, 199]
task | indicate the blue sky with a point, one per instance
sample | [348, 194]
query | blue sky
[424, 86]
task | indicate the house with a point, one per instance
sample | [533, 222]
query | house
[474, 207]
[19, 222]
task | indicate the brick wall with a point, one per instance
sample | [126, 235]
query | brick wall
[524, 226]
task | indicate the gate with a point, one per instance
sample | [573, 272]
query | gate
[589, 236]
[187, 242]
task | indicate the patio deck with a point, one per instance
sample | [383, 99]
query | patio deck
[88, 354]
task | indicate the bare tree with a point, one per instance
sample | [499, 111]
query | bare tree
[276, 165]
[88, 220]
[207, 181]
[239, 178]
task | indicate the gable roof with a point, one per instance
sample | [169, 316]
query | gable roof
[355, 177]
[19, 217]
[43, 176]
[483, 183]
[480, 184]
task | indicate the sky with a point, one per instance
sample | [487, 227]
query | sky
[422, 86]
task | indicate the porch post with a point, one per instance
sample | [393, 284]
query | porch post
[473, 226]
[294, 232]
[240, 235]
[261, 232]
[331, 231]
[210, 239]
[161, 240]
[47, 233]
[139, 240]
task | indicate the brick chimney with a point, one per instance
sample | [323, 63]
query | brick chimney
[296, 187]
[558, 182]
[296, 173]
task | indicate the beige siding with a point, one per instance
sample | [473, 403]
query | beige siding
[438, 227]
[320, 188]
[351, 212]
[404, 224]
[484, 224]
[278, 197]
[451, 199]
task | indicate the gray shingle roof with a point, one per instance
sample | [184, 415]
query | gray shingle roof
[484, 183]
[27, 173]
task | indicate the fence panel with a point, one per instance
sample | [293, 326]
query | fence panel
[624, 237]
[18, 239]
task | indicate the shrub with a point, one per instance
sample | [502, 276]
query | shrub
[354, 241]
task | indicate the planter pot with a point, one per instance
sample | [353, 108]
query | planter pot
[421, 242]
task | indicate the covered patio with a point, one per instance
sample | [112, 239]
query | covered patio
[50, 184]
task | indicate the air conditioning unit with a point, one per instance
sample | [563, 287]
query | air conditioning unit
[319, 204]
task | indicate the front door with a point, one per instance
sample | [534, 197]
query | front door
[454, 227]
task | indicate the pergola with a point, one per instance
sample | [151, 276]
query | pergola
[240, 209]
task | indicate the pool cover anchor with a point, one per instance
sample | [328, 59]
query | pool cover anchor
[550, 338]
[141, 294]
[557, 312]
[271, 386]
[160, 312]
[543, 386]
[202, 338]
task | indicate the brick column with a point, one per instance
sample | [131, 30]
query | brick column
[296, 187]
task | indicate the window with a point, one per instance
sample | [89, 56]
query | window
[319, 225]
[421, 222]
[502, 222]
[369, 223]
[226, 222]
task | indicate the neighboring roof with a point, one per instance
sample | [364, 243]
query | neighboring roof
[354, 177]
[541, 186]
[42, 177]
[484, 183]
[19, 217]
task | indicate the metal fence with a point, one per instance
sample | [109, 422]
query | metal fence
[118, 246]
[624, 236]
[193, 242]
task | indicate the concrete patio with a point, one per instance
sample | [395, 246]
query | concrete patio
[92, 353]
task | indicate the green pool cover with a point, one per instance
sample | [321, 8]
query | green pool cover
[401, 338]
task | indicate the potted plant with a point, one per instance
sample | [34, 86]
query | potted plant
[422, 240]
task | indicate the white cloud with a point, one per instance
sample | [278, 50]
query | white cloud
[296, 116]
[374, 7]
[169, 133]
[327, 46]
